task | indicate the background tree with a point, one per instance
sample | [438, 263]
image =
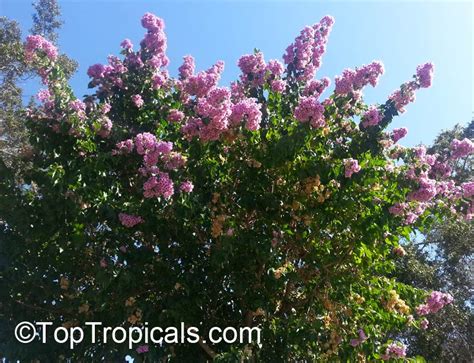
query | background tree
[443, 260]
[14, 71]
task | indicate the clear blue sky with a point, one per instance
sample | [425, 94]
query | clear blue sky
[400, 34]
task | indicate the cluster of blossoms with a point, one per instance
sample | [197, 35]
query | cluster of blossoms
[435, 302]
[461, 148]
[255, 72]
[198, 85]
[352, 81]
[429, 175]
[372, 117]
[129, 220]
[399, 133]
[406, 93]
[151, 56]
[351, 166]
[247, 110]
[35, 43]
[303, 57]
[153, 151]
[310, 110]
[395, 350]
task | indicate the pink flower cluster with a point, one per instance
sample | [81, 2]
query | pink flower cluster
[247, 110]
[201, 84]
[79, 108]
[361, 339]
[154, 42]
[399, 133]
[216, 108]
[435, 302]
[36, 43]
[129, 220]
[105, 127]
[395, 350]
[316, 87]
[138, 101]
[468, 189]
[372, 117]
[158, 185]
[253, 69]
[303, 56]
[153, 152]
[310, 110]
[424, 73]
[426, 192]
[186, 186]
[354, 80]
[123, 147]
[406, 93]
[461, 148]
[255, 72]
[351, 166]
[175, 116]
[186, 70]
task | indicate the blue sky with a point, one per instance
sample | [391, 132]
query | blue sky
[401, 34]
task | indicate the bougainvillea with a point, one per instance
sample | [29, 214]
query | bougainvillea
[175, 200]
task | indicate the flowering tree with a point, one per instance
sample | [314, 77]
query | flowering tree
[173, 200]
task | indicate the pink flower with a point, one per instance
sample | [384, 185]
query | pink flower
[175, 116]
[129, 220]
[468, 189]
[316, 87]
[372, 117]
[158, 80]
[142, 349]
[351, 166]
[137, 100]
[278, 86]
[126, 44]
[105, 127]
[36, 43]
[305, 53]
[275, 68]
[187, 68]
[96, 71]
[435, 302]
[247, 111]
[43, 95]
[461, 148]
[404, 95]
[310, 109]
[216, 107]
[355, 80]
[186, 187]
[424, 73]
[424, 324]
[253, 68]
[399, 133]
[395, 350]
[202, 83]
[426, 192]
[398, 209]
[158, 186]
